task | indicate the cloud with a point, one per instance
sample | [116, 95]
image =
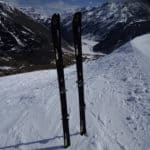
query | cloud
[11, 1]
[61, 5]
[56, 5]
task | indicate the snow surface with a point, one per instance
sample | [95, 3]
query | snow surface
[87, 47]
[117, 94]
[5, 67]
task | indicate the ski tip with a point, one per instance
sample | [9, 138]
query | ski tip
[76, 21]
[78, 14]
[77, 18]
[55, 15]
[55, 19]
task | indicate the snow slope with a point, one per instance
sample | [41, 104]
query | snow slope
[117, 93]
[87, 47]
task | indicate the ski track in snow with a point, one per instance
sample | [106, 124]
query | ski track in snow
[117, 95]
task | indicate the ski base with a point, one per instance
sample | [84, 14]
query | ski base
[56, 36]
[76, 25]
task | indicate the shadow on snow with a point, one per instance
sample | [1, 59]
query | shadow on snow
[44, 141]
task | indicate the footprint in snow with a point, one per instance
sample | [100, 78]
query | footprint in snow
[131, 99]
[124, 79]
[131, 123]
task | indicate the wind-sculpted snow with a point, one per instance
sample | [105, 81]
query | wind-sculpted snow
[117, 91]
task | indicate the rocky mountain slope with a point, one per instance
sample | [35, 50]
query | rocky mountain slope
[20, 34]
[38, 16]
[113, 23]
[25, 43]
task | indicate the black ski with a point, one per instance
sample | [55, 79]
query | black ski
[76, 25]
[56, 37]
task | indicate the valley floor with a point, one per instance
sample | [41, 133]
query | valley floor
[117, 95]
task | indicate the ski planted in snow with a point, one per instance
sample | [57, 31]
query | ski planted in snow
[76, 26]
[56, 37]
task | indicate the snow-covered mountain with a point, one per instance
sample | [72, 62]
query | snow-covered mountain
[20, 35]
[25, 43]
[42, 17]
[38, 16]
[117, 95]
[112, 23]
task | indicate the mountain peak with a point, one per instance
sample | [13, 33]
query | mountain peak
[113, 23]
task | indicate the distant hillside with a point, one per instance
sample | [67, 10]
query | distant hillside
[21, 36]
[112, 24]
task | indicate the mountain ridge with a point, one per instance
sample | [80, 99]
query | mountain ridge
[25, 35]
[105, 23]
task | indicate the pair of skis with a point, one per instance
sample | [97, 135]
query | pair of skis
[56, 37]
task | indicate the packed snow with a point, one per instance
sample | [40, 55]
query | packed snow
[117, 95]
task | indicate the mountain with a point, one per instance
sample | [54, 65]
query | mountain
[25, 41]
[112, 24]
[38, 16]
[21, 36]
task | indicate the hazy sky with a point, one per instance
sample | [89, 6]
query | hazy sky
[48, 6]
[54, 3]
